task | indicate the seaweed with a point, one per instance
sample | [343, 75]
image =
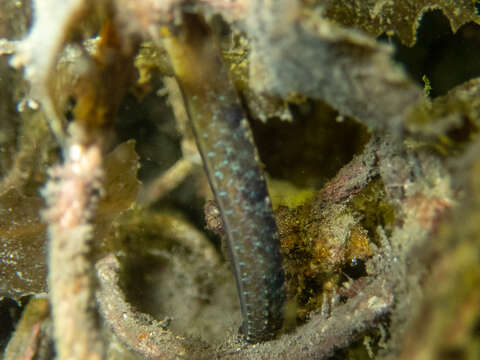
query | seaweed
[399, 18]
[24, 253]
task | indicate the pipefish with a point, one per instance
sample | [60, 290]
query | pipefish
[232, 164]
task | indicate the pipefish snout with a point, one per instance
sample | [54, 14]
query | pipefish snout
[231, 161]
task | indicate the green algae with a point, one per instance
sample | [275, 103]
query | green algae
[321, 241]
[376, 211]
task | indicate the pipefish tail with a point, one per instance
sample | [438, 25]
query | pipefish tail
[231, 162]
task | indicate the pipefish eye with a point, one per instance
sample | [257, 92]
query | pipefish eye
[211, 208]
[213, 217]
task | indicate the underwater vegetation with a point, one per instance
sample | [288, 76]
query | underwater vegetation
[234, 179]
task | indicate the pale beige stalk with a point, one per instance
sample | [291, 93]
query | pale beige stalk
[72, 194]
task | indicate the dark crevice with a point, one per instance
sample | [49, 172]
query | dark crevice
[446, 59]
[312, 148]
[10, 312]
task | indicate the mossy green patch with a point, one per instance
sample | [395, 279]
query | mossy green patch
[374, 208]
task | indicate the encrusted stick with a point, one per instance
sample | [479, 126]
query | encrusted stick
[232, 165]
[72, 193]
[139, 331]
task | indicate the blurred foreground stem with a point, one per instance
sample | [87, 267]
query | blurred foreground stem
[72, 194]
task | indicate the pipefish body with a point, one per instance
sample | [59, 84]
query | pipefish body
[231, 161]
